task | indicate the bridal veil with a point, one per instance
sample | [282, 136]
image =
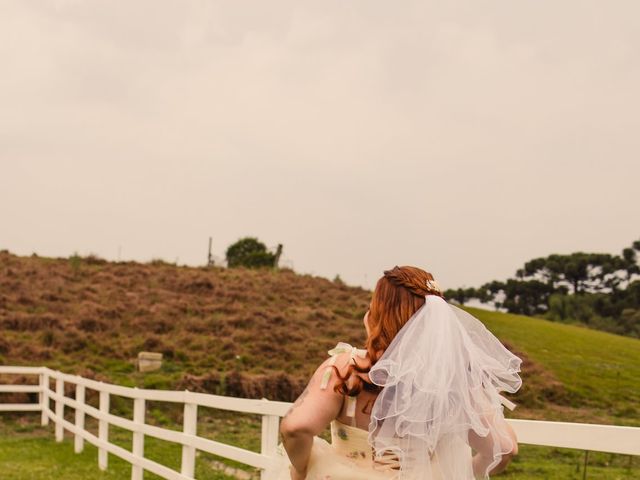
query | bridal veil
[442, 376]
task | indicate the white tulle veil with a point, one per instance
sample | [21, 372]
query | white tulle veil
[441, 377]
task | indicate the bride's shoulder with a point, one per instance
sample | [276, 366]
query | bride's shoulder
[340, 358]
[348, 353]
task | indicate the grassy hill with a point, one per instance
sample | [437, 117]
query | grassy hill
[581, 374]
[255, 333]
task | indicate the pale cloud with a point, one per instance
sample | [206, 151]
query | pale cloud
[463, 137]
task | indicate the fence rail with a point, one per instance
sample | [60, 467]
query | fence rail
[584, 436]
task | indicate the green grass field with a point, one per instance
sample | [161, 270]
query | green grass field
[29, 452]
[599, 371]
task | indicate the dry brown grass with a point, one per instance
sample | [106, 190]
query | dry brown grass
[86, 313]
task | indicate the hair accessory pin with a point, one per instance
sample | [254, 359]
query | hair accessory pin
[433, 285]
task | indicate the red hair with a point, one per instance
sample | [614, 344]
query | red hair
[397, 296]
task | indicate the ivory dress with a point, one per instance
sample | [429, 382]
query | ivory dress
[349, 455]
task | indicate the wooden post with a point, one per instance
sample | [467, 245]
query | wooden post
[44, 398]
[59, 410]
[209, 258]
[78, 441]
[270, 431]
[278, 255]
[103, 431]
[138, 437]
[189, 427]
[586, 459]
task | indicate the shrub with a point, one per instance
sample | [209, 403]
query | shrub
[251, 253]
[75, 262]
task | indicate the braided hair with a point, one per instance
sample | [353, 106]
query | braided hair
[416, 280]
[397, 296]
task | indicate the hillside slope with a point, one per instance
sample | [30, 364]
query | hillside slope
[254, 333]
[82, 314]
[582, 374]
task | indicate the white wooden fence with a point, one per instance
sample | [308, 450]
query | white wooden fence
[604, 438]
[270, 411]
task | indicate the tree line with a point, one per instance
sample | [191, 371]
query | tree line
[599, 290]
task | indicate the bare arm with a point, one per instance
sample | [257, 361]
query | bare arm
[484, 447]
[314, 409]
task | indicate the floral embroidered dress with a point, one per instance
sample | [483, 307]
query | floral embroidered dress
[349, 455]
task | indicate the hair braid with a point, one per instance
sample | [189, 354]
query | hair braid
[417, 281]
[399, 293]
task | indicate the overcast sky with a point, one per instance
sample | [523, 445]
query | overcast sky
[463, 137]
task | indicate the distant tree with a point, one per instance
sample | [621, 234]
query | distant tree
[632, 293]
[249, 252]
[597, 289]
[338, 280]
[528, 297]
[630, 322]
[490, 291]
[461, 295]
[563, 307]
[630, 260]
[582, 271]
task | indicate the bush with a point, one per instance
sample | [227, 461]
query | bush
[251, 253]
[585, 309]
[565, 308]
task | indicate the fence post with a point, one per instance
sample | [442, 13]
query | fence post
[78, 440]
[586, 460]
[103, 431]
[189, 427]
[59, 409]
[44, 398]
[270, 431]
[138, 437]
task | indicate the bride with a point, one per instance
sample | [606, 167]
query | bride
[420, 401]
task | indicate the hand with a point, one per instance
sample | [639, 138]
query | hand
[296, 475]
